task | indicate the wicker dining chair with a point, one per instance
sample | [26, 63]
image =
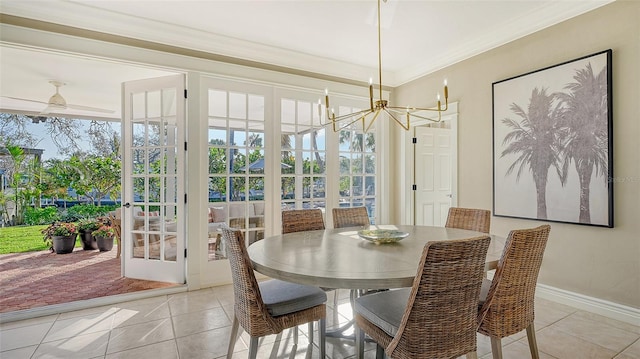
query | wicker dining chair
[436, 317]
[350, 217]
[507, 301]
[469, 218]
[270, 306]
[298, 220]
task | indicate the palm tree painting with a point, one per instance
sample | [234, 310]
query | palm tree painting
[552, 143]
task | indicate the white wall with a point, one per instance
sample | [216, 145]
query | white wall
[597, 262]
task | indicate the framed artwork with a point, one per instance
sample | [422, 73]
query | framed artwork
[553, 143]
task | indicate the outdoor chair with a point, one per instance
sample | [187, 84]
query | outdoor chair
[507, 301]
[270, 306]
[436, 317]
[350, 217]
[469, 218]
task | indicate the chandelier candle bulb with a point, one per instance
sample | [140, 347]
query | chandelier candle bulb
[371, 93]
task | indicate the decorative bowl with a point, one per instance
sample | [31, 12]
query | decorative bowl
[381, 236]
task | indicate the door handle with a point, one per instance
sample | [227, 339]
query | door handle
[126, 205]
[449, 195]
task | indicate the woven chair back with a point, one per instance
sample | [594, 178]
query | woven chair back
[440, 318]
[469, 218]
[509, 306]
[249, 308]
[298, 220]
[350, 217]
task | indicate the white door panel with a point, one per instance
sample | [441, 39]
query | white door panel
[433, 171]
[153, 179]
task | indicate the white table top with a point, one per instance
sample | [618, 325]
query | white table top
[339, 258]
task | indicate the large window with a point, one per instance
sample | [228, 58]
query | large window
[357, 158]
[236, 144]
[303, 156]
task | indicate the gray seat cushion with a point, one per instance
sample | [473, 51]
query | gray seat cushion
[282, 297]
[384, 309]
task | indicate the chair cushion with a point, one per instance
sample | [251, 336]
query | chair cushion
[282, 297]
[384, 309]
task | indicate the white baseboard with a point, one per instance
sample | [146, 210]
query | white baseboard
[594, 305]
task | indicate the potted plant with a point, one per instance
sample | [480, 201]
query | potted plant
[104, 237]
[85, 228]
[61, 237]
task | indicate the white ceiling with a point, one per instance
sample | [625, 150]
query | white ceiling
[331, 37]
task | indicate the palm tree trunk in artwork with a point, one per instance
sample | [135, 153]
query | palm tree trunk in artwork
[585, 171]
[540, 179]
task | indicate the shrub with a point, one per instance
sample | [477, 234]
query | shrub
[88, 225]
[36, 216]
[81, 211]
[58, 229]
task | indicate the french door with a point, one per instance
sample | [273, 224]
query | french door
[153, 193]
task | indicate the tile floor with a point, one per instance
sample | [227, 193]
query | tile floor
[197, 325]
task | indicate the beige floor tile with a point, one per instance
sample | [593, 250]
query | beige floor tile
[612, 322]
[632, 351]
[209, 344]
[141, 313]
[189, 302]
[597, 332]
[71, 327]
[28, 322]
[23, 336]
[81, 346]
[517, 350]
[562, 345]
[139, 335]
[19, 353]
[192, 323]
[163, 350]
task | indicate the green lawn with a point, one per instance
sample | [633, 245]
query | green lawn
[21, 239]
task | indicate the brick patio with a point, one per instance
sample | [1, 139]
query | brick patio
[36, 279]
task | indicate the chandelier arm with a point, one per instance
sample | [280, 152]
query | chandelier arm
[358, 113]
[405, 126]
[375, 116]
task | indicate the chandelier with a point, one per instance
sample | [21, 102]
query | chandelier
[376, 107]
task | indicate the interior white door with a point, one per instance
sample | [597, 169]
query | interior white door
[153, 195]
[433, 175]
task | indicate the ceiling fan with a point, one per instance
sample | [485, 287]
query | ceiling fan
[58, 103]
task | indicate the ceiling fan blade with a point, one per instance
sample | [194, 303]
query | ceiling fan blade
[88, 108]
[24, 99]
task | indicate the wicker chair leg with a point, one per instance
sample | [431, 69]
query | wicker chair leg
[234, 337]
[496, 348]
[322, 330]
[533, 345]
[359, 334]
[311, 332]
[379, 352]
[253, 348]
[472, 355]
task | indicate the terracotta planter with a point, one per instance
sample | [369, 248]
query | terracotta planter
[104, 243]
[88, 242]
[64, 244]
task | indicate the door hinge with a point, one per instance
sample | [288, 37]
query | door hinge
[185, 253]
[414, 187]
[185, 198]
[185, 93]
[414, 140]
[185, 145]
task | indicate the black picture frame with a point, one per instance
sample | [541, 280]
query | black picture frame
[553, 143]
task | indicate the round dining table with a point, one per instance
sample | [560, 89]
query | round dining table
[339, 258]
